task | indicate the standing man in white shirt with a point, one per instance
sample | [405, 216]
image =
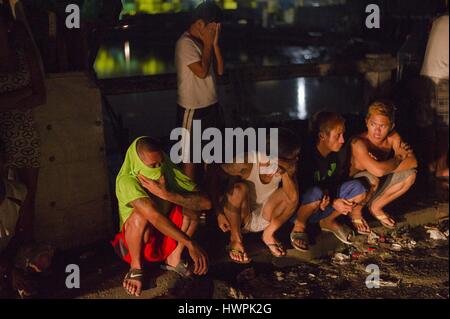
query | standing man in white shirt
[198, 60]
[434, 111]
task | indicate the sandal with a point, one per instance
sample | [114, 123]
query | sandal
[296, 235]
[343, 233]
[383, 218]
[279, 246]
[358, 222]
[134, 274]
[181, 269]
[241, 253]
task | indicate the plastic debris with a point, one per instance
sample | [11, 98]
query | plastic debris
[436, 234]
[373, 238]
[356, 255]
[396, 247]
[409, 243]
[279, 275]
[302, 283]
[340, 259]
[384, 283]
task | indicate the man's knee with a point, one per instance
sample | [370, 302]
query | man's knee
[411, 178]
[312, 195]
[136, 223]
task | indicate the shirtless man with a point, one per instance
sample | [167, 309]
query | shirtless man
[258, 201]
[385, 160]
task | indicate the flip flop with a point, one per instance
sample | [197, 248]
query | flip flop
[382, 220]
[279, 246]
[295, 235]
[135, 274]
[361, 221]
[240, 253]
[342, 233]
[182, 269]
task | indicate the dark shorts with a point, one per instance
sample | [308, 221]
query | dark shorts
[209, 117]
[346, 190]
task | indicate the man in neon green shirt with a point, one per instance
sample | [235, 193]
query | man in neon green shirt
[158, 207]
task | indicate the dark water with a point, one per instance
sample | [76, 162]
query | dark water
[147, 57]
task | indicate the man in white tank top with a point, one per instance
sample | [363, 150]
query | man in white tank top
[258, 201]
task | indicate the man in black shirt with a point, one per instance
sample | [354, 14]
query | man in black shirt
[323, 178]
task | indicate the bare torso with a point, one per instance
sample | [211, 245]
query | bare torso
[380, 152]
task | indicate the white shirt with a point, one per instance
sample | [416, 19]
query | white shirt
[435, 64]
[193, 92]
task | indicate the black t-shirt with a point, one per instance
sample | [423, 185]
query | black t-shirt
[326, 172]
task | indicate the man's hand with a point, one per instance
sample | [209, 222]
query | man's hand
[343, 206]
[156, 188]
[208, 34]
[217, 33]
[324, 202]
[199, 257]
[223, 222]
[404, 150]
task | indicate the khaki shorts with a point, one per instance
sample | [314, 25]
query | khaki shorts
[386, 181]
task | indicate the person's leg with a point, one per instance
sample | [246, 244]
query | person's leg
[310, 204]
[330, 221]
[237, 211]
[29, 177]
[399, 185]
[356, 191]
[137, 232]
[277, 210]
[190, 223]
[442, 153]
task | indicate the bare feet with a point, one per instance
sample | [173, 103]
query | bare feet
[133, 282]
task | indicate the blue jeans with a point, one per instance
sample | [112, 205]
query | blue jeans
[346, 190]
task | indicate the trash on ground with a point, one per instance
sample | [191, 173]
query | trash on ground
[436, 234]
[396, 247]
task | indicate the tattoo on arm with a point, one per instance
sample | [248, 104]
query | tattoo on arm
[191, 201]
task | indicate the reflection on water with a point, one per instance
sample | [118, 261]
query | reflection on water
[301, 100]
[115, 62]
[135, 58]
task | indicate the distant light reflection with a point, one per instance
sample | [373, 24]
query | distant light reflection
[301, 99]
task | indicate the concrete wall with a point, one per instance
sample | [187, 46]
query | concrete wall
[72, 204]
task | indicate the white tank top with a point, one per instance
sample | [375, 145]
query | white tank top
[260, 192]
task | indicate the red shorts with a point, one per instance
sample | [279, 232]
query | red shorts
[158, 247]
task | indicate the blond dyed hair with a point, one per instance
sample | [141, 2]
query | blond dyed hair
[382, 108]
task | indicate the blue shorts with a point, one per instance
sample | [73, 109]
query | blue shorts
[346, 190]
